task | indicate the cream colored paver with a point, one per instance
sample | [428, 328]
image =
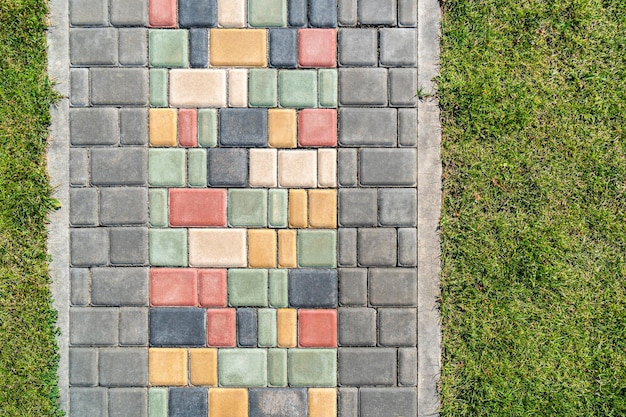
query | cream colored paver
[198, 88]
[217, 247]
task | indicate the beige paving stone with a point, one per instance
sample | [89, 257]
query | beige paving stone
[297, 168]
[322, 402]
[231, 13]
[167, 366]
[217, 247]
[263, 167]
[287, 327]
[203, 366]
[163, 127]
[238, 47]
[198, 88]
[323, 208]
[287, 249]
[298, 208]
[327, 167]
[238, 87]
[262, 248]
[282, 128]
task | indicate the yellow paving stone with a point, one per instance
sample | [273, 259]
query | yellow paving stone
[238, 87]
[287, 327]
[327, 167]
[198, 88]
[287, 249]
[217, 247]
[282, 128]
[262, 248]
[231, 13]
[323, 208]
[297, 208]
[238, 47]
[167, 366]
[163, 127]
[297, 168]
[322, 402]
[228, 402]
[263, 167]
[203, 366]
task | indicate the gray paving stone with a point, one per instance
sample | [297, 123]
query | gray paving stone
[123, 367]
[353, 286]
[119, 86]
[246, 327]
[128, 402]
[397, 206]
[376, 12]
[358, 207]
[177, 327]
[83, 366]
[133, 326]
[407, 247]
[403, 87]
[188, 402]
[197, 13]
[393, 287]
[89, 247]
[119, 166]
[348, 402]
[93, 46]
[384, 402]
[363, 86]
[388, 167]
[297, 13]
[312, 288]
[346, 247]
[123, 205]
[368, 127]
[243, 127]
[133, 48]
[407, 127]
[347, 12]
[129, 245]
[129, 12]
[367, 366]
[88, 12]
[323, 13]
[79, 166]
[93, 326]
[284, 48]
[228, 167]
[79, 87]
[93, 126]
[80, 283]
[119, 286]
[407, 13]
[278, 402]
[358, 47]
[90, 402]
[397, 326]
[377, 247]
[133, 126]
[83, 206]
[357, 326]
[347, 167]
[398, 47]
[407, 366]
[199, 48]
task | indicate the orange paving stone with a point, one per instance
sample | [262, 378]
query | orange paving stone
[282, 128]
[297, 208]
[167, 366]
[173, 287]
[221, 327]
[198, 88]
[287, 249]
[262, 248]
[162, 13]
[188, 127]
[218, 247]
[197, 207]
[203, 366]
[228, 402]
[317, 127]
[317, 48]
[212, 291]
[323, 208]
[317, 328]
[163, 128]
[238, 47]
[287, 327]
[322, 402]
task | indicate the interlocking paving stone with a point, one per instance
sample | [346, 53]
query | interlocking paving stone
[162, 13]
[262, 88]
[89, 247]
[297, 88]
[285, 402]
[228, 167]
[347, 167]
[312, 288]
[129, 13]
[376, 12]
[388, 167]
[199, 48]
[158, 87]
[322, 13]
[297, 10]
[177, 327]
[79, 166]
[377, 247]
[94, 126]
[168, 247]
[80, 282]
[119, 166]
[128, 402]
[317, 248]
[246, 327]
[232, 13]
[357, 326]
[119, 286]
[133, 126]
[93, 46]
[407, 247]
[283, 48]
[312, 367]
[195, 13]
[119, 86]
[129, 245]
[188, 402]
[168, 366]
[93, 326]
[243, 127]
[397, 326]
[367, 366]
[157, 402]
[203, 366]
[393, 287]
[347, 247]
[79, 87]
[247, 287]
[398, 47]
[88, 401]
[407, 13]
[88, 12]
[277, 367]
[347, 12]
[83, 207]
[123, 205]
[133, 323]
[363, 86]
[83, 369]
[228, 402]
[348, 401]
[378, 402]
[368, 127]
[353, 286]
[407, 366]
[398, 207]
[358, 47]
[166, 167]
[133, 46]
[267, 327]
[242, 367]
[403, 87]
[358, 207]
[407, 127]
[267, 13]
[123, 367]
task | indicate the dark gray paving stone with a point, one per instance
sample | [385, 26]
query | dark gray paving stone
[397, 206]
[89, 247]
[133, 126]
[133, 326]
[312, 288]
[83, 206]
[347, 167]
[368, 127]
[123, 367]
[128, 402]
[363, 86]
[90, 402]
[346, 247]
[79, 166]
[284, 48]
[93, 46]
[188, 402]
[358, 47]
[177, 327]
[94, 126]
[88, 12]
[79, 87]
[119, 166]
[243, 127]
[384, 402]
[119, 86]
[347, 12]
[197, 13]
[353, 286]
[407, 247]
[83, 367]
[407, 366]
[80, 283]
[357, 326]
[297, 13]
[323, 13]
[393, 287]
[199, 48]
[358, 207]
[123, 205]
[93, 326]
[367, 366]
[228, 167]
[377, 247]
[129, 245]
[133, 49]
[407, 13]
[407, 127]
[119, 286]
[403, 87]
[388, 167]
[376, 12]
[397, 326]
[246, 327]
[398, 47]
[278, 402]
[129, 13]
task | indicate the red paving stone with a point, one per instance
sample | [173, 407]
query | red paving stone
[212, 287]
[162, 13]
[197, 207]
[221, 327]
[173, 287]
[317, 127]
[188, 127]
[317, 328]
[317, 48]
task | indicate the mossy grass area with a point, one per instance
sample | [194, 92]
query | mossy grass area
[28, 352]
[533, 98]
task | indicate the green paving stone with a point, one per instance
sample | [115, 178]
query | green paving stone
[278, 208]
[328, 87]
[317, 248]
[279, 295]
[312, 367]
[167, 167]
[262, 88]
[158, 87]
[247, 208]
[277, 367]
[207, 128]
[169, 48]
[157, 402]
[264, 13]
[197, 168]
[158, 207]
[242, 367]
[168, 247]
[267, 327]
[247, 287]
[297, 88]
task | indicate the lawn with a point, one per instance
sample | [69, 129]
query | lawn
[533, 98]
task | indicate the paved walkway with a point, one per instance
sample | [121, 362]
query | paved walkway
[251, 193]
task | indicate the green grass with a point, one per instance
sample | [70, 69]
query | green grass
[533, 97]
[28, 352]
